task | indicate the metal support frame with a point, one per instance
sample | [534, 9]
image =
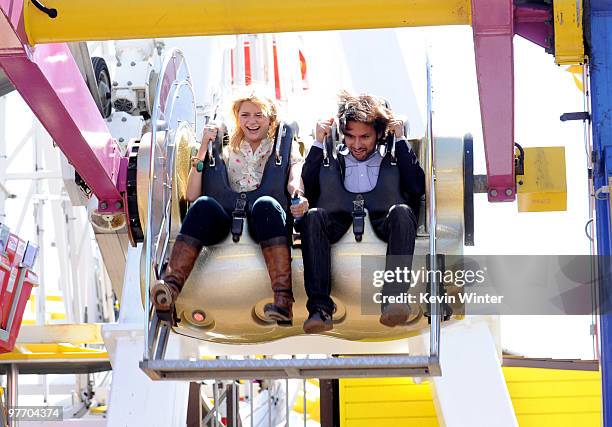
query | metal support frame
[38, 207]
[329, 403]
[194, 405]
[12, 385]
[232, 400]
[493, 23]
[4, 193]
[599, 19]
[43, 199]
[57, 86]
[342, 367]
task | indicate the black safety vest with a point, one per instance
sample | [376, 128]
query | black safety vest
[215, 182]
[335, 198]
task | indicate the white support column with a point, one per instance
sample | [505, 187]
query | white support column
[472, 390]
[135, 399]
[239, 61]
[3, 157]
[39, 220]
[73, 245]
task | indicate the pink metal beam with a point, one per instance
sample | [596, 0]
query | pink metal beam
[50, 82]
[12, 31]
[492, 22]
[535, 24]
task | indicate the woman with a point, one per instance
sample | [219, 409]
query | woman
[208, 223]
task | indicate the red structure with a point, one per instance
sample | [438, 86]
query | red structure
[16, 282]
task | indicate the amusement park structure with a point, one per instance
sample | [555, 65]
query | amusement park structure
[127, 146]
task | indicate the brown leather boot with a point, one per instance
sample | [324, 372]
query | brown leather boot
[165, 292]
[278, 261]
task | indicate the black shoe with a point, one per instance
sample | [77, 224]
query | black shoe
[318, 321]
[394, 314]
[281, 310]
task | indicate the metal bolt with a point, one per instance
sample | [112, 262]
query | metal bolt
[118, 205]
[132, 63]
[508, 191]
[124, 119]
[129, 83]
[493, 193]
[115, 83]
[121, 139]
[103, 205]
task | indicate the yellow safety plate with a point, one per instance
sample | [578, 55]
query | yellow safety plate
[52, 352]
[83, 20]
[543, 187]
[80, 333]
[540, 397]
[569, 36]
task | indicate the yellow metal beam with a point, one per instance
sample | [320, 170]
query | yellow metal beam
[569, 43]
[80, 20]
[47, 352]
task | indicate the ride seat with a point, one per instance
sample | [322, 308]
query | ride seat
[223, 299]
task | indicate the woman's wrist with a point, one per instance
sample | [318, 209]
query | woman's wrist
[197, 163]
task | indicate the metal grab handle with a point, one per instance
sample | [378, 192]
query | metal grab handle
[325, 153]
[279, 137]
[211, 157]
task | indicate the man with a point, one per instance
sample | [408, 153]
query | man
[389, 186]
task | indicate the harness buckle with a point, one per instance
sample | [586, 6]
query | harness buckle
[358, 217]
[279, 160]
[238, 217]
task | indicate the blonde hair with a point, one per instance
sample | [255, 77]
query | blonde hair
[268, 108]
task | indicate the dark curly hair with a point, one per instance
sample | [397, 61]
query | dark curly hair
[365, 109]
